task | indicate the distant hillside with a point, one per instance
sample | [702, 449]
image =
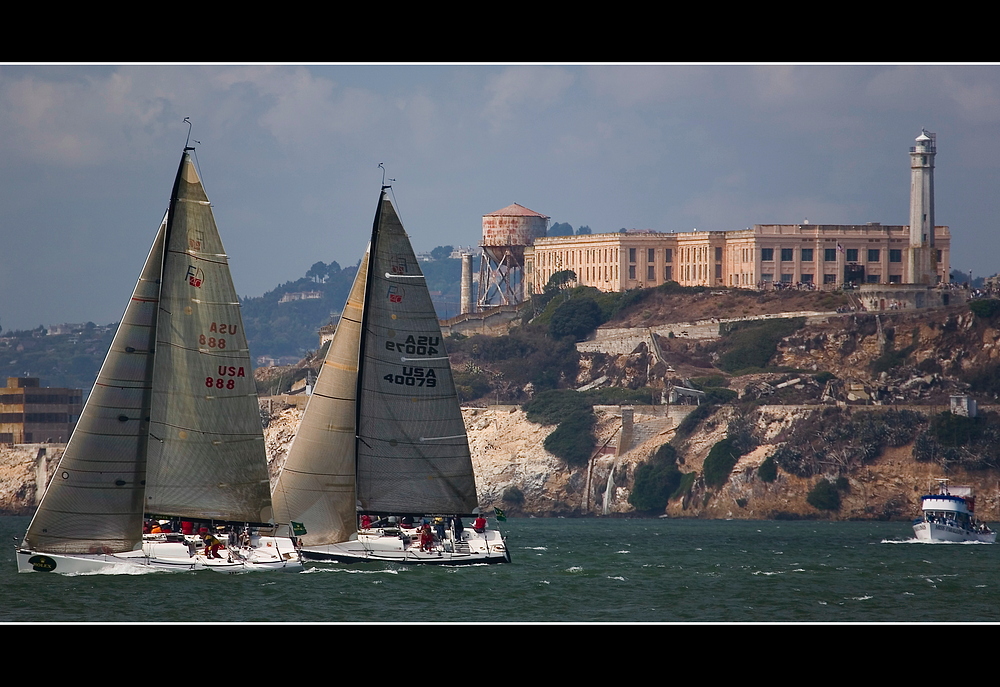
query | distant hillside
[289, 328]
[69, 360]
[274, 328]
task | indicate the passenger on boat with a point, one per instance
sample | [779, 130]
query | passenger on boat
[426, 538]
[366, 521]
[479, 525]
[212, 544]
[439, 528]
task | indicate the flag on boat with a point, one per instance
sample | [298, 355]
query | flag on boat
[298, 529]
[499, 514]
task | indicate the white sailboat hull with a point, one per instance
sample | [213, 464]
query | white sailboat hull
[473, 548]
[268, 553]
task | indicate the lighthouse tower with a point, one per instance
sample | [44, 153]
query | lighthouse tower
[922, 259]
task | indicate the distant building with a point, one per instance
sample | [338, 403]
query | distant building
[907, 260]
[824, 255]
[300, 296]
[33, 414]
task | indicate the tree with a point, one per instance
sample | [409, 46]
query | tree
[768, 470]
[655, 480]
[719, 463]
[317, 272]
[441, 252]
[560, 279]
[582, 230]
[824, 496]
[576, 317]
[557, 229]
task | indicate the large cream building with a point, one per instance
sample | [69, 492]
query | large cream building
[826, 255]
[822, 255]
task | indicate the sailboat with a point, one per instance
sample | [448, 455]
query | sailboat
[171, 430]
[382, 436]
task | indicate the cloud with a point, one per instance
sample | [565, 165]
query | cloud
[519, 89]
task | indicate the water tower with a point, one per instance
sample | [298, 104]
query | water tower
[506, 233]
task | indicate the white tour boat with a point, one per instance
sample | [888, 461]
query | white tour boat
[949, 516]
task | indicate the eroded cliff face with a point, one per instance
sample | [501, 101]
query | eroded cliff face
[22, 467]
[879, 362]
[514, 472]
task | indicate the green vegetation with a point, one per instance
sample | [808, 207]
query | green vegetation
[290, 329]
[441, 252]
[834, 438]
[573, 439]
[719, 463]
[471, 385]
[748, 346]
[656, 480]
[824, 377]
[954, 440]
[824, 496]
[525, 355]
[556, 405]
[768, 470]
[692, 420]
[576, 317]
[985, 308]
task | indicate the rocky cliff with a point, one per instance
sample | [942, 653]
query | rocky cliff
[852, 364]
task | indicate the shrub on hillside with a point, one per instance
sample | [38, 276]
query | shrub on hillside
[752, 344]
[555, 405]
[768, 470]
[824, 496]
[656, 480]
[573, 440]
[986, 308]
[719, 463]
[576, 317]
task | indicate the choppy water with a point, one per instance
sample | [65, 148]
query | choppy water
[582, 570]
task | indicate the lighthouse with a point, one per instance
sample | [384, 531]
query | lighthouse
[922, 260]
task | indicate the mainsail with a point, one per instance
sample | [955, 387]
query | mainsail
[95, 500]
[316, 484]
[412, 450]
[206, 447]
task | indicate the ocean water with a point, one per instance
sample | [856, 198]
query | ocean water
[566, 570]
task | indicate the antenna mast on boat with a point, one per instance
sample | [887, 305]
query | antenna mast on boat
[187, 143]
[382, 167]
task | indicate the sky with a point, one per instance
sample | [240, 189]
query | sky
[289, 156]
